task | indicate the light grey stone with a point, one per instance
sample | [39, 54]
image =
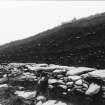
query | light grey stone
[93, 89]
[79, 70]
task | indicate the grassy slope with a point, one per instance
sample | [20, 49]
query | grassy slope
[80, 43]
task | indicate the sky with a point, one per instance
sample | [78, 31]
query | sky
[22, 19]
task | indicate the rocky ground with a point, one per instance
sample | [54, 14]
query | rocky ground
[43, 84]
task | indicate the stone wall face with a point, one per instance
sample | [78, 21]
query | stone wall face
[45, 83]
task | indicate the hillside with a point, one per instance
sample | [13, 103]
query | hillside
[77, 43]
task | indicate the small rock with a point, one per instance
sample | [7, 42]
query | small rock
[21, 88]
[26, 95]
[64, 93]
[103, 88]
[69, 83]
[41, 98]
[60, 103]
[78, 82]
[80, 90]
[63, 86]
[93, 89]
[85, 85]
[59, 76]
[60, 82]
[84, 89]
[50, 86]
[42, 65]
[39, 103]
[84, 76]
[49, 102]
[58, 71]
[68, 90]
[65, 79]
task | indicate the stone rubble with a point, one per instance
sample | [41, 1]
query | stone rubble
[63, 80]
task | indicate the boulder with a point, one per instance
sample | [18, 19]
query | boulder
[93, 89]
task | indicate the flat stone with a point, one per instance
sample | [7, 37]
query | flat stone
[69, 83]
[52, 81]
[58, 71]
[59, 76]
[26, 95]
[100, 74]
[77, 87]
[60, 103]
[3, 87]
[93, 89]
[80, 90]
[60, 82]
[74, 78]
[2, 80]
[64, 93]
[41, 98]
[79, 70]
[42, 65]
